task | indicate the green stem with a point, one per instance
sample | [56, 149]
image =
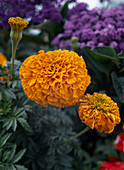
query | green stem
[76, 136]
[14, 46]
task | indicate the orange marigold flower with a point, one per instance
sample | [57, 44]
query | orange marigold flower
[17, 23]
[3, 61]
[58, 78]
[99, 111]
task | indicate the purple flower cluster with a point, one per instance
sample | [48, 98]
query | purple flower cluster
[96, 27]
[34, 10]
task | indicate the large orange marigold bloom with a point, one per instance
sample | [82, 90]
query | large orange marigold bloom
[58, 78]
[99, 111]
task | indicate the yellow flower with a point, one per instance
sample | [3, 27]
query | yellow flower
[17, 23]
[3, 61]
[58, 78]
[99, 111]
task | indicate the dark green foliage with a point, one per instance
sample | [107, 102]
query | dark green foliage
[31, 135]
[8, 155]
[13, 109]
[51, 126]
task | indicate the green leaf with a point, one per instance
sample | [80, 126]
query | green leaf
[106, 53]
[43, 26]
[14, 125]
[18, 156]
[14, 83]
[118, 84]
[17, 112]
[0, 96]
[12, 153]
[95, 60]
[25, 124]
[9, 94]
[64, 10]
[20, 167]
[8, 123]
[4, 139]
[0, 153]
[121, 55]
[2, 167]
[12, 167]
[5, 155]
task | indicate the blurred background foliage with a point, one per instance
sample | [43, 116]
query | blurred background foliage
[30, 133]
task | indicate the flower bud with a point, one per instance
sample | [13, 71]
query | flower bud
[74, 43]
[17, 25]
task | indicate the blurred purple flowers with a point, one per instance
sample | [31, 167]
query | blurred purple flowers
[96, 27]
[35, 10]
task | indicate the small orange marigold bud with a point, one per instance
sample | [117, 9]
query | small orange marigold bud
[99, 111]
[58, 78]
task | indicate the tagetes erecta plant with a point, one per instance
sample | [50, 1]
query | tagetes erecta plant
[58, 78]
[99, 111]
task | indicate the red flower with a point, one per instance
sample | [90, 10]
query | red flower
[112, 166]
[119, 142]
[112, 158]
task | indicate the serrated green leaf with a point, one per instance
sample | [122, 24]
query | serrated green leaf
[28, 108]
[12, 167]
[18, 112]
[12, 153]
[118, 84]
[25, 124]
[5, 155]
[9, 94]
[20, 167]
[18, 156]
[14, 125]
[14, 84]
[4, 139]
[5, 167]
[7, 124]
